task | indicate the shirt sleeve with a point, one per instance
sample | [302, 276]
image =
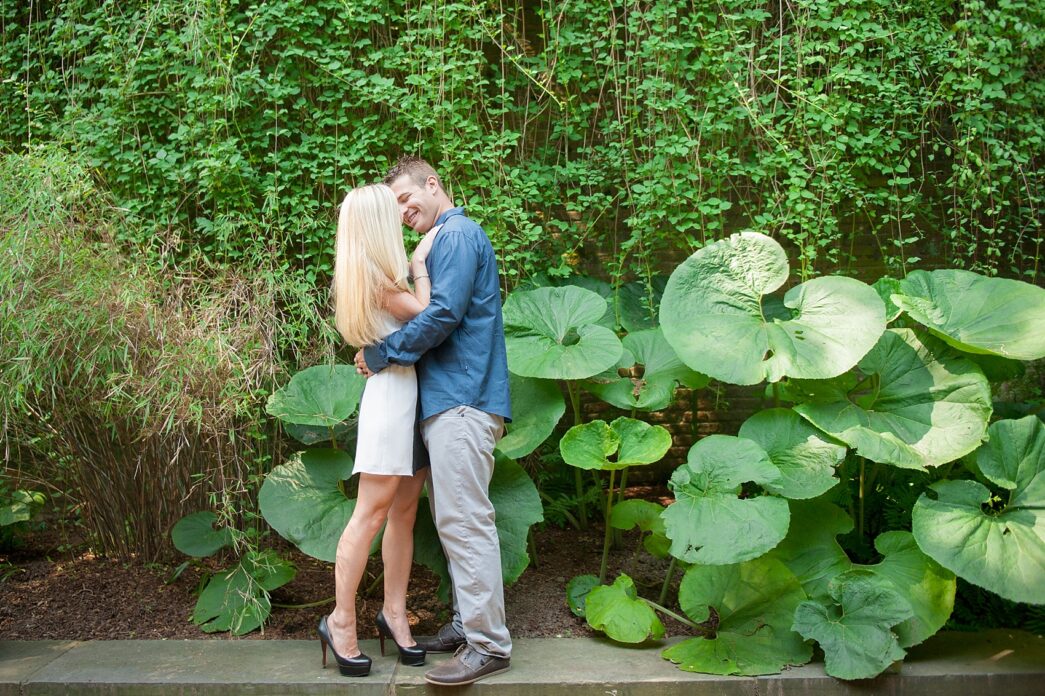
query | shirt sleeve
[452, 264]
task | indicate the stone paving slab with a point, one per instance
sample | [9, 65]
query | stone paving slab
[1008, 663]
[19, 660]
[194, 667]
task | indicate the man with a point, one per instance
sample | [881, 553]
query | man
[457, 343]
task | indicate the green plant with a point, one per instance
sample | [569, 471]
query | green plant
[308, 499]
[233, 599]
[134, 391]
[596, 137]
[911, 401]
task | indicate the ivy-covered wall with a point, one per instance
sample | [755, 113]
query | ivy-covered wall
[611, 137]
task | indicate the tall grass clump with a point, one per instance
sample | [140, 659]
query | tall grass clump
[136, 392]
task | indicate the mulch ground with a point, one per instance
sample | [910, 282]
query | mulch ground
[75, 595]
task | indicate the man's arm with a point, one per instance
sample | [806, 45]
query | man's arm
[454, 262]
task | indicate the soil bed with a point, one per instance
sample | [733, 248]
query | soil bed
[62, 595]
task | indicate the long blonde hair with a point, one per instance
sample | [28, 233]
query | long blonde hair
[370, 259]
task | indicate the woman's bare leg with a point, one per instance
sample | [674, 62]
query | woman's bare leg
[397, 553]
[376, 494]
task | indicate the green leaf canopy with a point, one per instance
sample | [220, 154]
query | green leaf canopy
[634, 442]
[303, 502]
[552, 333]
[754, 603]
[804, 455]
[616, 610]
[1002, 551]
[662, 372]
[537, 406]
[977, 314]
[922, 404]
[195, 535]
[709, 523]
[323, 395]
[716, 317]
[854, 632]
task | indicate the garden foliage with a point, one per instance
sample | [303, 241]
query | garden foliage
[615, 136]
[756, 516]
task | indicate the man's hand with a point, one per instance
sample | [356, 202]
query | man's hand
[361, 367]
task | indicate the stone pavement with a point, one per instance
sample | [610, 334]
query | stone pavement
[1007, 663]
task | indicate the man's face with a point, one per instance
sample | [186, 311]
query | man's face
[418, 205]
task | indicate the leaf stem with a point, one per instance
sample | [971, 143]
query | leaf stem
[575, 402]
[667, 580]
[665, 610]
[308, 605]
[609, 531]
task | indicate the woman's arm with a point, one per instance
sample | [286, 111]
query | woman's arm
[404, 306]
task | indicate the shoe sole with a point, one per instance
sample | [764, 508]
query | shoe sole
[467, 681]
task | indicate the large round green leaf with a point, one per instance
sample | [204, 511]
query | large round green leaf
[976, 313]
[709, 523]
[717, 318]
[811, 549]
[537, 406]
[924, 584]
[921, 405]
[577, 591]
[342, 434]
[886, 287]
[322, 395]
[195, 535]
[854, 631]
[616, 610]
[552, 333]
[813, 554]
[646, 516]
[518, 507]
[303, 502]
[959, 526]
[754, 603]
[622, 443]
[804, 455]
[637, 303]
[661, 373]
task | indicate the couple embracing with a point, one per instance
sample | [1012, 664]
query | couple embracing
[436, 425]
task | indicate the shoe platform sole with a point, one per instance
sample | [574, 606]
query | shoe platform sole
[464, 682]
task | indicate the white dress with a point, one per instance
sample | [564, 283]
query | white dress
[387, 417]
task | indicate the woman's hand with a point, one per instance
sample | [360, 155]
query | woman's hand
[420, 254]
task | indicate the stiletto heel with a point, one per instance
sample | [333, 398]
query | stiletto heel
[358, 666]
[411, 655]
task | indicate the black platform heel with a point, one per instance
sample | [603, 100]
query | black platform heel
[358, 666]
[412, 656]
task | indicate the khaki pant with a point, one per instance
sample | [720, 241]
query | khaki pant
[460, 442]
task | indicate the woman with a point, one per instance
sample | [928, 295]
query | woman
[371, 300]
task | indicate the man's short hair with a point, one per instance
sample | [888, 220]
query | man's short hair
[416, 168]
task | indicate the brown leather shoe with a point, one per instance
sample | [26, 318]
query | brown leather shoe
[465, 667]
[446, 640]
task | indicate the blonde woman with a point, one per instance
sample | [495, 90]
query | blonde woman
[371, 300]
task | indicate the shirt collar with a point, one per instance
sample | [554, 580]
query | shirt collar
[449, 214]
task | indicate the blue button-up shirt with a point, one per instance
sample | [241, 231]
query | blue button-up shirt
[457, 342]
